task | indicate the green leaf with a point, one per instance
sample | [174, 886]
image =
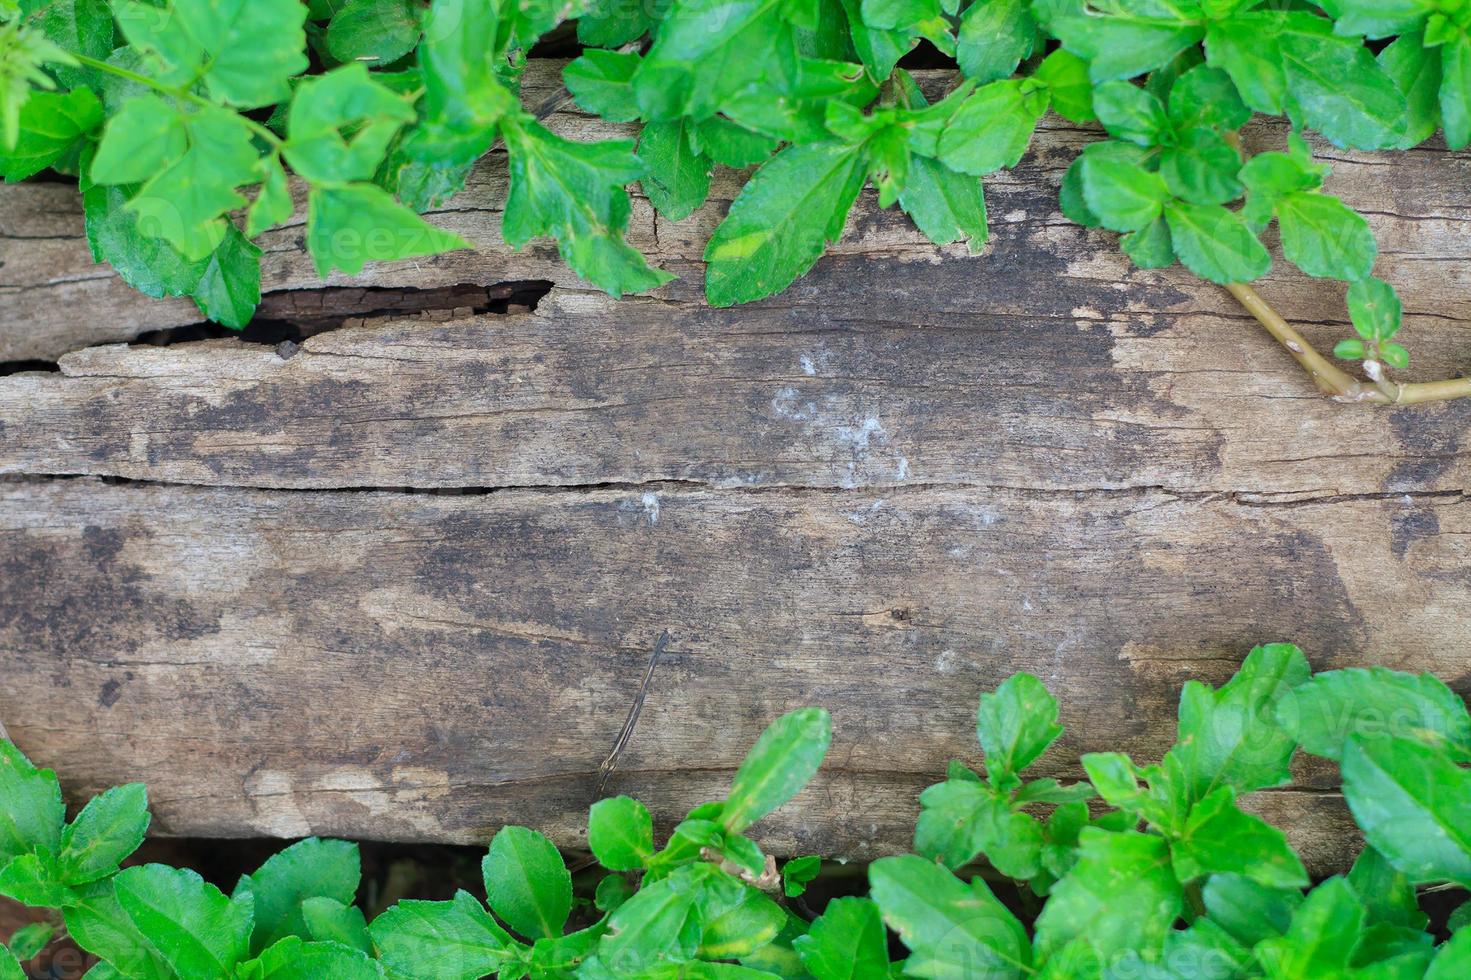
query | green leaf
[1066, 78]
[1452, 960]
[1120, 194]
[991, 128]
[1324, 237]
[1118, 46]
[463, 96]
[98, 924]
[1416, 71]
[1380, 18]
[1321, 940]
[345, 100]
[678, 177]
[1130, 113]
[658, 924]
[52, 125]
[893, 14]
[798, 873]
[602, 82]
[455, 940]
[293, 959]
[1206, 96]
[620, 833]
[143, 137]
[1247, 47]
[1455, 91]
[32, 879]
[1121, 895]
[1414, 805]
[328, 920]
[1202, 168]
[1250, 912]
[109, 828]
[846, 942]
[1375, 704]
[961, 820]
[229, 286]
[527, 883]
[574, 192]
[381, 31]
[1394, 355]
[1151, 247]
[351, 225]
[994, 37]
[1216, 244]
[1387, 895]
[706, 51]
[612, 892]
[194, 927]
[610, 23]
[28, 941]
[1350, 350]
[1219, 837]
[1336, 87]
[731, 144]
[244, 51]
[783, 761]
[879, 50]
[307, 869]
[273, 204]
[741, 929]
[946, 206]
[951, 930]
[779, 224]
[1016, 724]
[79, 26]
[10, 968]
[1230, 736]
[32, 814]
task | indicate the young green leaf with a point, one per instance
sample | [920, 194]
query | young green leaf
[798, 873]
[350, 225]
[961, 820]
[991, 128]
[1324, 237]
[1016, 724]
[1123, 45]
[307, 869]
[1375, 309]
[1453, 960]
[1249, 911]
[1121, 895]
[1066, 78]
[1131, 113]
[1202, 167]
[740, 928]
[345, 100]
[776, 229]
[846, 942]
[1337, 88]
[1219, 838]
[994, 37]
[620, 833]
[455, 940]
[527, 883]
[293, 959]
[783, 761]
[380, 31]
[109, 828]
[1388, 896]
[97, 923]
[33, 879]
[51, 126]
[678, 177]
[602, 82]
[1120, 194]
[192, 925]
[1414, 805]
[951, 929]
[330, 921]
[946, 206]
[32, 814]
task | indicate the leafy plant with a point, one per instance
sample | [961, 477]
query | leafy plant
[184, 120]
[1167, 876]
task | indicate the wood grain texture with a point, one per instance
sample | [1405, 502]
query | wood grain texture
[428, 667]
[402, 582]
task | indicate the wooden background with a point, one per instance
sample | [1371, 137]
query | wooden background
[402, 582]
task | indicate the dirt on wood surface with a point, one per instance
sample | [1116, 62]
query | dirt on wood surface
[398, 576]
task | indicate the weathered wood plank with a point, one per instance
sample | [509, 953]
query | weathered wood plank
[412, 666]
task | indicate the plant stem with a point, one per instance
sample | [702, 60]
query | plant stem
[1332, 379]
[263, 132]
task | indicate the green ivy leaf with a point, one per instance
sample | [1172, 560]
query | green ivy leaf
[192, 925]
[109, 828]
[620, 833]
[782, 762]
[527, 883]
[846, 942]
[951, 929]
[1414, 805]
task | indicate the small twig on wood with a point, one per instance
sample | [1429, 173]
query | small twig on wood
[1332, 379]
[626, 733]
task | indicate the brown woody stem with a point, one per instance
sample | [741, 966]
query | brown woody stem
[1332, 379]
